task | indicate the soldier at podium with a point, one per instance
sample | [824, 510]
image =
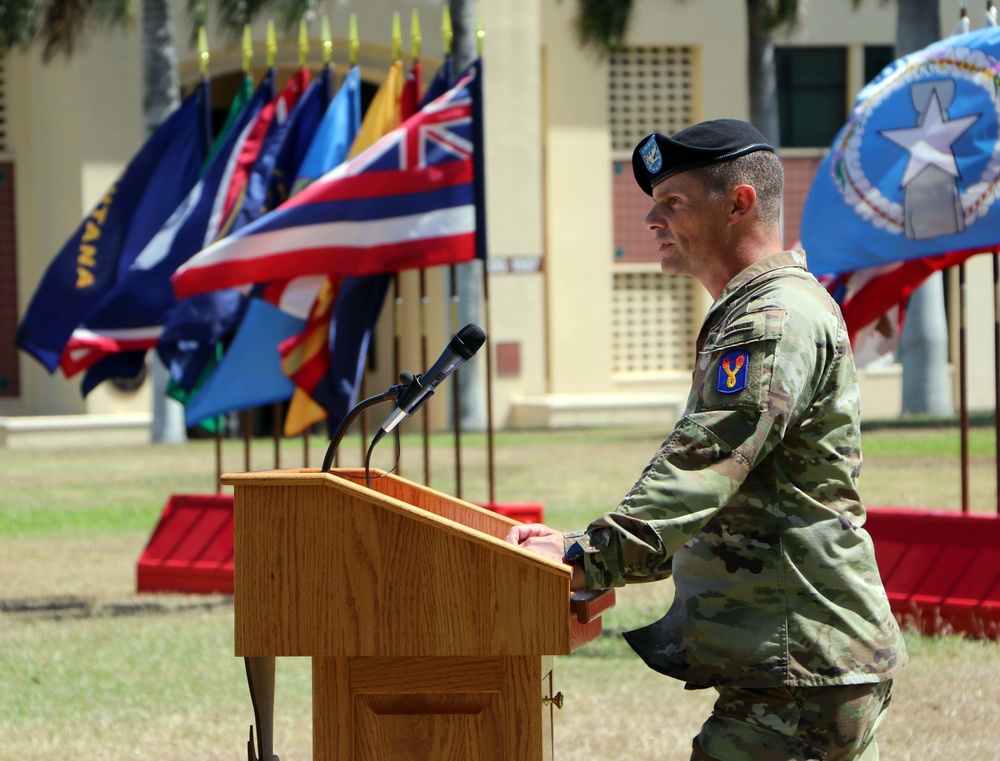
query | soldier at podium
[751, 503]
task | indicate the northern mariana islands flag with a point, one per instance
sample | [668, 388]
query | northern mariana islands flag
[915, 171]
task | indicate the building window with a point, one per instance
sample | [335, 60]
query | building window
[653, 322]
[812, 94]
[651, 89]
[877, 57]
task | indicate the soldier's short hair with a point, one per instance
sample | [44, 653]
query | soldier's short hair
[762, 170]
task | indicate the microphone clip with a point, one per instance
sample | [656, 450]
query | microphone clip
[412, 392]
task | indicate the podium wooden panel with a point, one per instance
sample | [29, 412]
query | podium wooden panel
[430, 636]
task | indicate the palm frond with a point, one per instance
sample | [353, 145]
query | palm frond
[233, 15]
[601, 25]
[112, 13]
[197, 11]
[290, 12]
[63, 23]
[18, 22]
[778, 13]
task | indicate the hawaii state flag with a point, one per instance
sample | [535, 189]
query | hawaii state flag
[409, 201]
[915, 172]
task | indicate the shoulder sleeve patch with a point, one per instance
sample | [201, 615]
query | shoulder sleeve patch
[734, 366]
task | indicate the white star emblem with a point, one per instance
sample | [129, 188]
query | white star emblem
[930, 143]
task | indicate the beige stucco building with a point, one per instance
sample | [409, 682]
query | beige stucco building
[584, 328]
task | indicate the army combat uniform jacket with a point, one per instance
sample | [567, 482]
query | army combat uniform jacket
[751, 504]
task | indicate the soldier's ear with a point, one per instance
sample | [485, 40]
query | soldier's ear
[743, 199]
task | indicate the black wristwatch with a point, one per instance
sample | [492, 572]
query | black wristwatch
[574, 555]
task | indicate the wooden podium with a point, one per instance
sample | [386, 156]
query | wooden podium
[430, 637]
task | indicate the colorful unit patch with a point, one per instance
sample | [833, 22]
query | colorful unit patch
[733, 372]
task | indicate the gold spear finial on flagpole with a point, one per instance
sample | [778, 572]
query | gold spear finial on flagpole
[247, 49]
[354, 41]
[203, 52]
[303, 42]
[397, 36]
[480, 33]
[415, 36]
[272, 44]
[327, 40]
[447, 35]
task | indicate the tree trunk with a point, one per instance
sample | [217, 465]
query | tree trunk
[161, 95]
[469, 276]
[762, 78]
[923, 345]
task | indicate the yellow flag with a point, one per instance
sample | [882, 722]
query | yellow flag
[382, 116]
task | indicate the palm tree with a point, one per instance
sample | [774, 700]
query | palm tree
[469, 276]
[923, 346]
[58, 24]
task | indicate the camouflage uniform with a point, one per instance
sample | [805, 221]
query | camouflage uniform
[751, 504]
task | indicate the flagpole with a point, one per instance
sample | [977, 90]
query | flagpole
[490, 461]
[415, 40]
[996, 372]
[276, 433]
[397, 302]
[353, 43]
[203, 55]
[397, 351]
[963, 403]
[490, 464]
[247, 435]
[219, 421]
[327, 39]
[456, 389]
[425, 418]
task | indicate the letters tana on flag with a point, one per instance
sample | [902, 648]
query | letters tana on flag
[408, 201]
[97, 256]
[915, 171]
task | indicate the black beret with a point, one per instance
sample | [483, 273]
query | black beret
[657, 156]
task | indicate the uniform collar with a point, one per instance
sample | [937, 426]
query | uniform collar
[795, 259]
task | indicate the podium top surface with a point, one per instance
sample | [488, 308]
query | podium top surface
[326, 566]
[399, 495]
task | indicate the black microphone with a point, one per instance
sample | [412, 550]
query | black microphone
[462, 346]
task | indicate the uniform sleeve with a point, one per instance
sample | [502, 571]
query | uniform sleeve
[731, 428]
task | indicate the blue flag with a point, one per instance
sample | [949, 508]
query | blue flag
[250, 372]
[105, 245]
[142, 300]
[915, 172]
[355, 313]
[443, 80]
[335, 134]
[264, 325]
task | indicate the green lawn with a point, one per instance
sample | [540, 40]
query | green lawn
[164, 682]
